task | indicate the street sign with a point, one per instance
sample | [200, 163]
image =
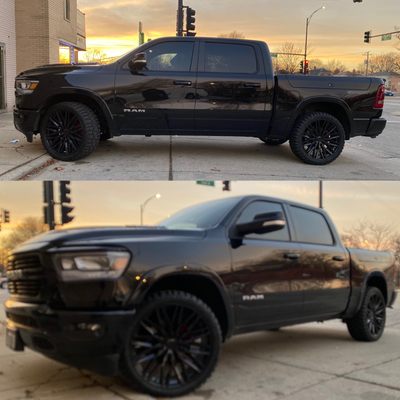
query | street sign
[206, 183]
[387, 36]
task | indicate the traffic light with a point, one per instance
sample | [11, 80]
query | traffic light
[226, 186]
[367, 37]
[306, 67]
[6, 216]
[190, 22]
[301, 67]
[65, 198]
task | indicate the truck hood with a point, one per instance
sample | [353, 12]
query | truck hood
[57, 69]
[83, 236]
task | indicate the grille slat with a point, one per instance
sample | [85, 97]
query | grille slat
[25, 275]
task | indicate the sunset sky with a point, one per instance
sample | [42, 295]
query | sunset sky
[118, 203]
[336, 32]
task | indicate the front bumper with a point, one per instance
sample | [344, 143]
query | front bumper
[27, 122]
[83, 339]
[369, 127]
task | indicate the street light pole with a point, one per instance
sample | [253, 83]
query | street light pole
[308, 20]
[143, 206]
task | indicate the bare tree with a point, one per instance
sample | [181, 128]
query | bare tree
[369, 235]
[388, 62]
[24, 231]
[94, 55]
[335, 66]
[288, 61]
[233, 35]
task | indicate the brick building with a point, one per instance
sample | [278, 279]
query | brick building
[8, 55]
[34, 33]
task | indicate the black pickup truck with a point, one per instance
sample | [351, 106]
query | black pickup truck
[196, 86]
[155, 303]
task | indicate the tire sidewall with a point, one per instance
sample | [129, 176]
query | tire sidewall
[209, 318]
[296, 140]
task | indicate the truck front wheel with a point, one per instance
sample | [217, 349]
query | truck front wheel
[70, 131]
[173, 345]
[369, 322]
[318, 138]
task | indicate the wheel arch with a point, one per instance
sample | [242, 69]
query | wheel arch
[91, 100]
[336, 107]
[376, 279]
[205, 285]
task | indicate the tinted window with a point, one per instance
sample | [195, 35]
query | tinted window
[263, 207]
[170, 56]
[201, 216]
[230, 58]
[311, 227]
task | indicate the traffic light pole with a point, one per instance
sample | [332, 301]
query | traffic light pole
[179, 26]
[48, 188]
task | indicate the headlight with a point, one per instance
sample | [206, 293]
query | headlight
[98, 264]
[26, 86]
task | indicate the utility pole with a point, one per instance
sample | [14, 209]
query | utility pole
[179, 25]
[48, 194]
[367, 64]
[141, 34]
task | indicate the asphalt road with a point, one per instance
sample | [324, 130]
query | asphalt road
[190, 158]
[306, 362]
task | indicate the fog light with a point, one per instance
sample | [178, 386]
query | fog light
[89, 327]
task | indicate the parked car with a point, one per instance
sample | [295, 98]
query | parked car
[389, 93]
[155, 304]
[196, 86]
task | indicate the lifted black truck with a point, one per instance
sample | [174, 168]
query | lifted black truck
[196, 86]
[155, 304]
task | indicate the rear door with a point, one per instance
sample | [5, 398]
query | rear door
[232, 90]
[266, 272]
[161, 98]
[325, 277]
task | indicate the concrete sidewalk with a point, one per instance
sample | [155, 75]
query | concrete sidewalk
[17, 158]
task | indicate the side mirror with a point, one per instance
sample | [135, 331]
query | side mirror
[262, 223]
[138, 62]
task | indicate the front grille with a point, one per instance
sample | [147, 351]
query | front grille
[25, 275]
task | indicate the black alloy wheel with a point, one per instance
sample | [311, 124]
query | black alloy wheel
[368, 324]
[70, 131]
[173, 345]
[318, 138]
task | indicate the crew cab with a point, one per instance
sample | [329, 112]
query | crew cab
[196, 86]
[154, 304]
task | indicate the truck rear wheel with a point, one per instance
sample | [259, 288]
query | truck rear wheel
[318, 138]
[70, 131]
[368, 324]
[173, 345]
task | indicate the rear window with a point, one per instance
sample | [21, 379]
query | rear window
[311, 227]
[230, 58]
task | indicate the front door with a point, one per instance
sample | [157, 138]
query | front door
[161, 98]
[266, 272]
[2, 78]
[232, 93]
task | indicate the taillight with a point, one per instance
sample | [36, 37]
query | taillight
[380, 98]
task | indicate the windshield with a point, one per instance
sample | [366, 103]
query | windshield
[202, 216]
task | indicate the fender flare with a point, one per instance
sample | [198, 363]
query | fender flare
[151, 278]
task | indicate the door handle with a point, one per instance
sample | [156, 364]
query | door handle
[252, 85]
[338, 258]
[292, 256]
[305, 275]
[183, 83]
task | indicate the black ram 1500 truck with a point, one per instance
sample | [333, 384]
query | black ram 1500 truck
[154, 304]
[196, 86]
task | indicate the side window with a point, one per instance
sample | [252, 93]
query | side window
[263, 207]
[311, 227]
[170, 57]
[230, 58]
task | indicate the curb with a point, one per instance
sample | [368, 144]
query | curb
[24, 171]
